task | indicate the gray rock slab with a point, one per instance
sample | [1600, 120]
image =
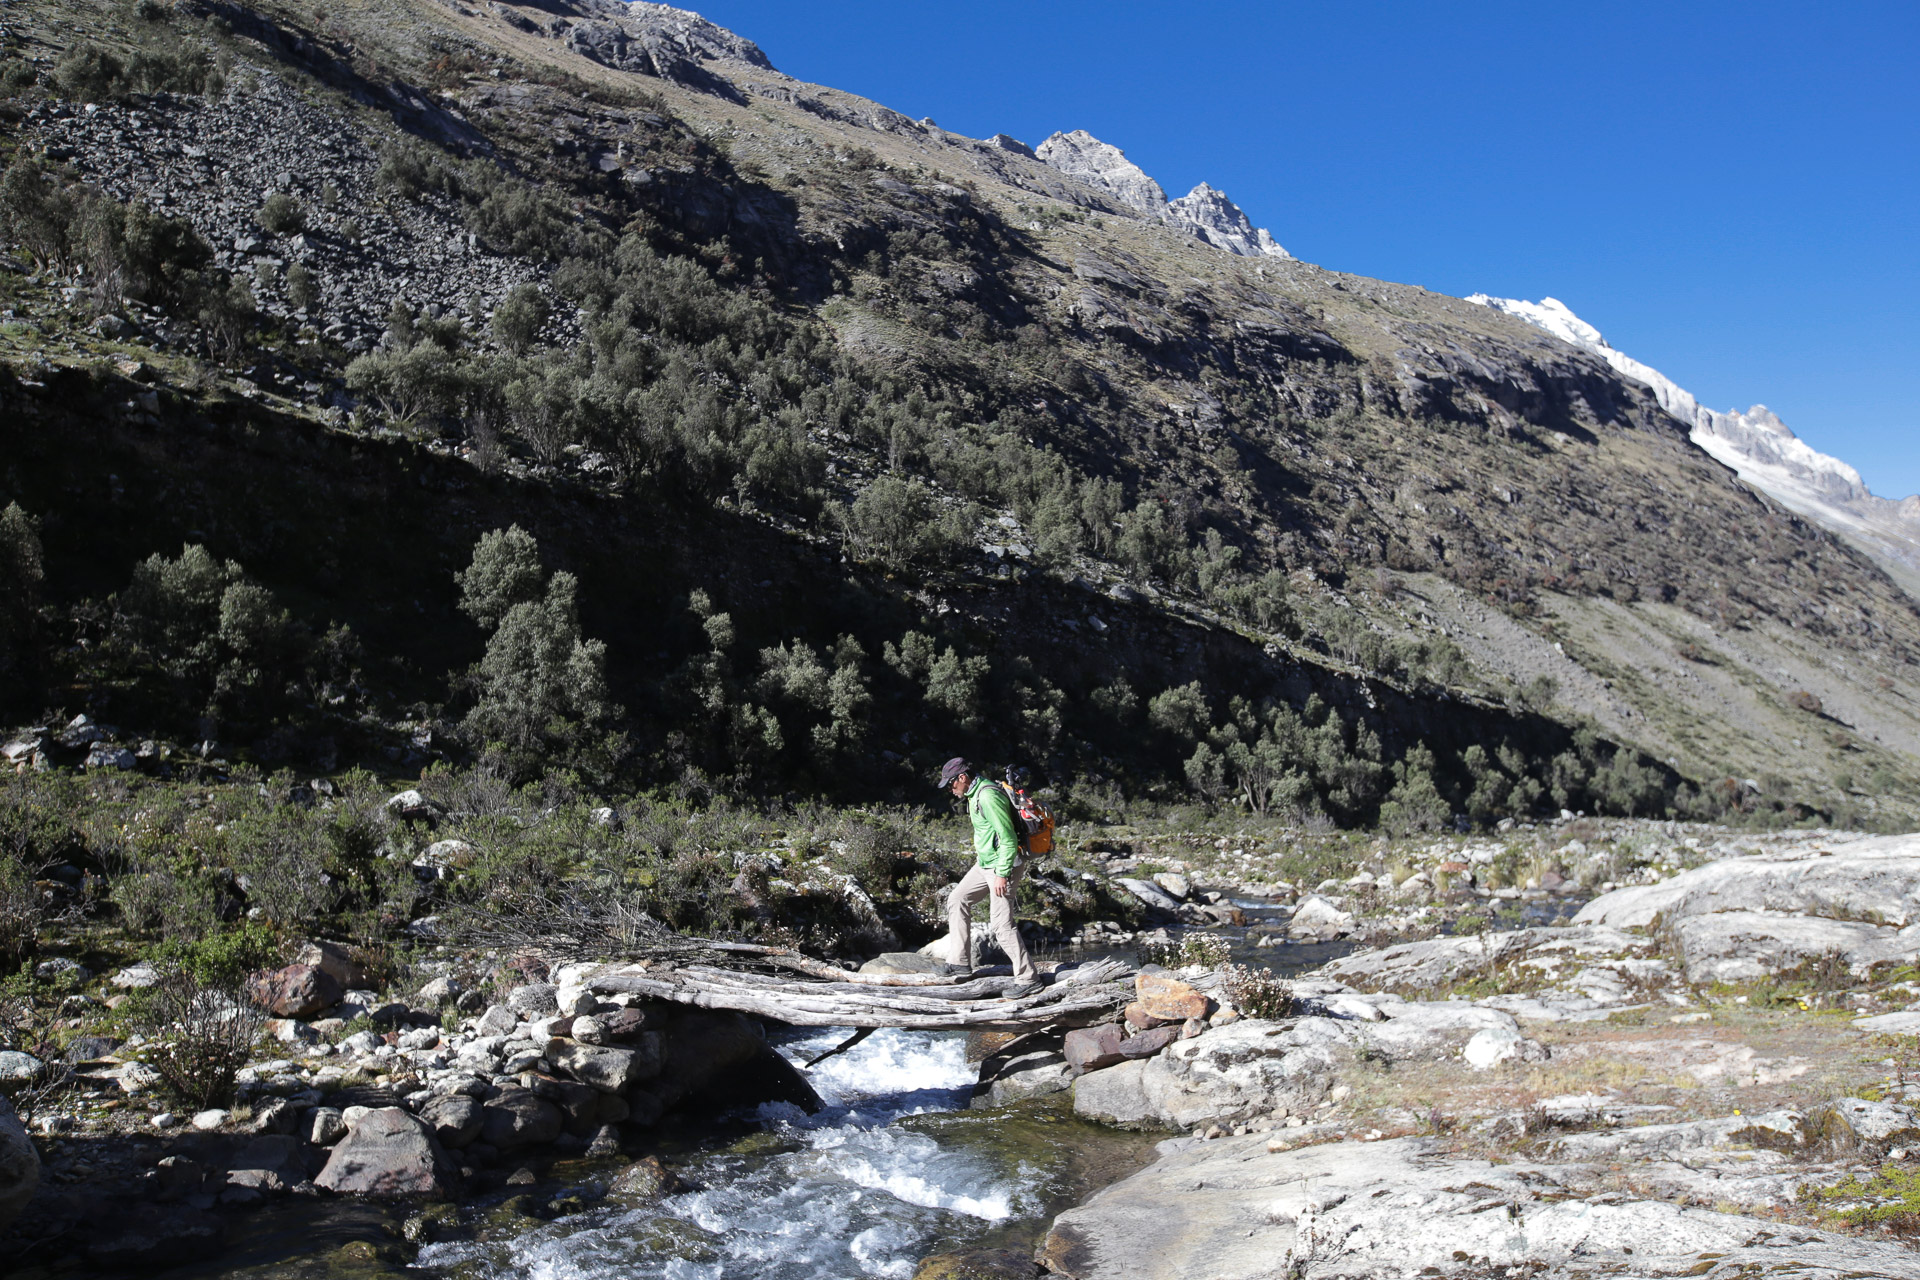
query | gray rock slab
[1875, 880]
[1234, 1210]
[389, 1155]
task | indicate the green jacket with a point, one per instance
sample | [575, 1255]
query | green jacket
[995, 844]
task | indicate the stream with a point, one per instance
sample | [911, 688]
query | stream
[894, 1169]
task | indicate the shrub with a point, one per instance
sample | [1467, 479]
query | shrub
[204, 1020]
[20, 577]
[1258, 993]
[281, 215]
[303, 291]
[898, 522]
[519, 317]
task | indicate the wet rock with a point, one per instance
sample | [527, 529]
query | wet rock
[643, 1182]
[297, 991]
[388, 1154]
[517, 1118]
[981, 1264]
[1168, 999]
[454, 1119]
[1027, 1075]
[19, 1165]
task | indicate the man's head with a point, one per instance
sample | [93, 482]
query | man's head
[955, 774]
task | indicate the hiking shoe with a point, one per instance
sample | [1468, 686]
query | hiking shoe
[1016, 989]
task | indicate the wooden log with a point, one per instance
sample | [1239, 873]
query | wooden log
[1077, 998]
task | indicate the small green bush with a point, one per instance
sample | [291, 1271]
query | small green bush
[282, 215]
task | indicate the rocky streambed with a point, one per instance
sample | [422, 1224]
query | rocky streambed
[1712, 1075]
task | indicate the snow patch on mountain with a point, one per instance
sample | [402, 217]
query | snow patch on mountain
[1759, 448]
[1204, 213]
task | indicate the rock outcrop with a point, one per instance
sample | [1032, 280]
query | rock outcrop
[1253, 1069]
[1238, 1208]
[1740, 919]
[1204, 213]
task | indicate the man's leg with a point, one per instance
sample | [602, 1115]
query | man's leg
[1000, 914]
[972, 888]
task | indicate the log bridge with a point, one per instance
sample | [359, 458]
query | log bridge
[1072, 994]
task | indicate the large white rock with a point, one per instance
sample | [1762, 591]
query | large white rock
[1253, 1068]
[1875, 881]
[1233, 1210]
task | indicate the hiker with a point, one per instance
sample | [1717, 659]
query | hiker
[994, 876]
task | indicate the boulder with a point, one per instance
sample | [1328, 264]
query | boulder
[1746, 946]
[498, 1020]
[1151, 894]
[297, 991]
[1028, 1075]
[534, 1000]
[1168, 999]
[1149, 1042]
[623, 1025]
[1859, 1122]
[410, 805]
[1094, 1048]
[454, 1118]
[335, 961]
[19, 1165]
[605, 1067]
[1316, 914]
[18, 1070]
[1494, 1045]
[516, 1118]
[388, 1154]
[1174, 884]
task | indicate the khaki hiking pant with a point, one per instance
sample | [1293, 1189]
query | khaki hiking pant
[972, 887]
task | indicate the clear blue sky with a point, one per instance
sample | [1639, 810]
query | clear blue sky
[1729, 192]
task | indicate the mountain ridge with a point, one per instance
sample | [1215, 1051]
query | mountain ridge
[1761, 449]
[1277, 481]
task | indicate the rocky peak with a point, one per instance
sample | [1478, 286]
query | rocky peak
[1223, 224]
[660, 40]
[1203, 212]
[1105, 168]
[1759, 447]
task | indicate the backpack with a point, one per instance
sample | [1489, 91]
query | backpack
[1033, 820]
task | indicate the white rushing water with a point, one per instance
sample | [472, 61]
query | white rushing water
[847, 1194]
